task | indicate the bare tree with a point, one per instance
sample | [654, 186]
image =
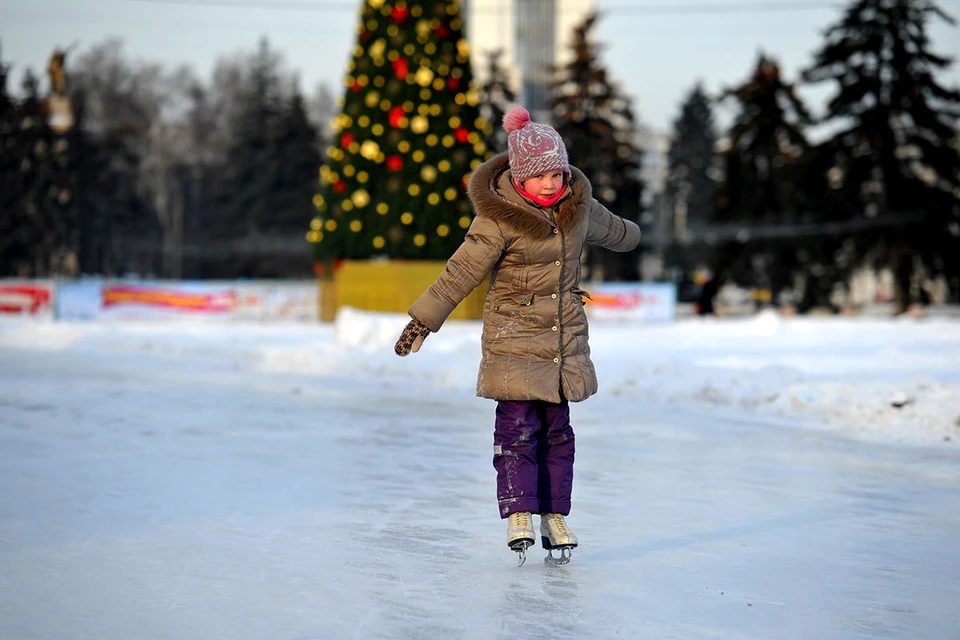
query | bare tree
[322, 109]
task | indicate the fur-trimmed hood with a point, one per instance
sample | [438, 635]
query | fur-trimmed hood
[493, 196]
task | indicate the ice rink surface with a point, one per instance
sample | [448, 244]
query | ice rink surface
[294, 483]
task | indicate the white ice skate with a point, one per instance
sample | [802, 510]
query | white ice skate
[554, 534]
[520, 534]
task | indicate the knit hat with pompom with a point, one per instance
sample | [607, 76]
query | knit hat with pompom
[534, 148]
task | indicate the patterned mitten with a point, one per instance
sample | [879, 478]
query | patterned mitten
[411, 338]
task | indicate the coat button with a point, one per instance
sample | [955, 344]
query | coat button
[553, 295]
[556, 359]
[557, 263]
[554, 327]
[556, 230]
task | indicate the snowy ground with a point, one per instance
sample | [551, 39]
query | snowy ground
[744, 479]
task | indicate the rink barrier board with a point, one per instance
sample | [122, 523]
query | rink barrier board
[159, 300]
[632, 301]
[363, 285]
[33, 298]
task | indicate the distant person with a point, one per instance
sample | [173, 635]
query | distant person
[706, 292]
[534, 213]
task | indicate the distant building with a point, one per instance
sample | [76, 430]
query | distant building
[653, 166]
[533, 34]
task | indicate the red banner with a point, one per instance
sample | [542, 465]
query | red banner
[221, 301]
[25, 298]
[625, 300]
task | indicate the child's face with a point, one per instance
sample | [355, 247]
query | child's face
[544, 185]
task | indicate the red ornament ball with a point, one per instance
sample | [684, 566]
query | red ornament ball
[394, 163]
[396, 114]
[399, 14]
[400, 68]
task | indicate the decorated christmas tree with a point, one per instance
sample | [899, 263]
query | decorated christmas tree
[407, 137]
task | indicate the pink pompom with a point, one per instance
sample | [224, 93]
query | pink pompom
[515, 119]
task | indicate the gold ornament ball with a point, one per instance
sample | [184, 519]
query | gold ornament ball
[424, 76]
[419, 125]
[369, 149]
[360, 198]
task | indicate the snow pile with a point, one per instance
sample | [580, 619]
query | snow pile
[892, 379]
[887, 379]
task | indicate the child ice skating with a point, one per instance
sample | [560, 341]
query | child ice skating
[534, 214]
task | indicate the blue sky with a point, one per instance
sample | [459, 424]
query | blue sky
[657, 57]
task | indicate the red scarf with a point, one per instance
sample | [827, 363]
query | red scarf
[540, 201]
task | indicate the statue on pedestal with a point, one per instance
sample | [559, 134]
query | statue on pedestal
[59, 111]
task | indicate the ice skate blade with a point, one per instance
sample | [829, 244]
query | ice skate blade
[521, 546]
[566, 555]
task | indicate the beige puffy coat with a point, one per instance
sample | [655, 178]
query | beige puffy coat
[534, 326]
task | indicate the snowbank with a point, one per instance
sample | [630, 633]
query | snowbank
[877, 378]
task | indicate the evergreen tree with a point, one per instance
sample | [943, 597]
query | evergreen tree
[762, 185]
[252, 169]
[690, 187]
[11, 180]
[691, 158]
[765, 140]
[896, 151]
[268, 176]
[407, 137]
[598, 126]
[20, 225]
[299, 158]
[40, 233]
[497, 97]
[36, 227]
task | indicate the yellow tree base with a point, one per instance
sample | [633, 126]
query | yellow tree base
[387, 285]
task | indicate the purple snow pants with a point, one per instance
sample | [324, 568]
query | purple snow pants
[533, 454]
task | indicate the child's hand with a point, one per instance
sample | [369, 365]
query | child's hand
[411, 338]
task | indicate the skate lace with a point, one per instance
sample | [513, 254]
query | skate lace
[558, 525]
[521, 520]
